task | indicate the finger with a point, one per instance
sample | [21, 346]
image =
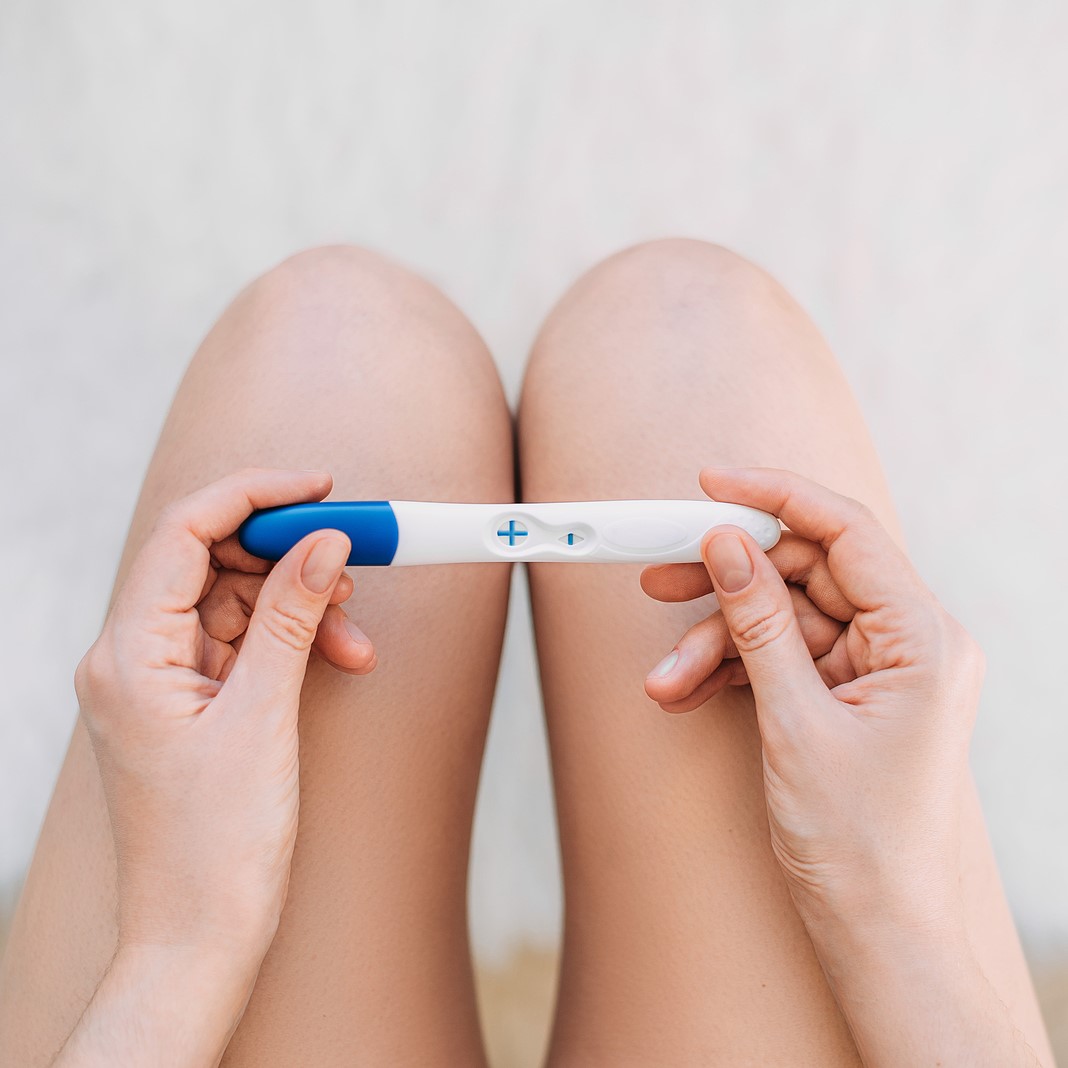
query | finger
[209, 581]
[274, 653]
[708, 643]
[229, 553]
[342, 644]
[730, 672]
[835, 666]
[797, 559]
[343, 590]
[170, 571]
[215, 658]
[225, 611]
[762, 622]
[866, 563]
[675, 582]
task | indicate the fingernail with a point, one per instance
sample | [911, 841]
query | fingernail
[731, 567]
[665, 666]
[356, 634]
[324, 563]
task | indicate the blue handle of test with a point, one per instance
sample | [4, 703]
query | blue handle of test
[370, 525]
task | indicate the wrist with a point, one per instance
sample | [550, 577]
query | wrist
[233, 931]
[225, 974]
[184, 1000]
[870, 910]
[910, 986]
[870, 932]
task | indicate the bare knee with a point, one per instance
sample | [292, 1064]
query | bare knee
[342, 317]
[323, 292]
[671, 285]
[661, 314]
[673, 264]
[354, 285]
[340, 282]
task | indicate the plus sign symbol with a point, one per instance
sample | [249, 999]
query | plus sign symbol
[513, 533]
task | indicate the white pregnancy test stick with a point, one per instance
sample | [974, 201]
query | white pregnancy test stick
[430, 532]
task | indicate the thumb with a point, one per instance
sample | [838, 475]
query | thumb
[760, 617]
[289, 609]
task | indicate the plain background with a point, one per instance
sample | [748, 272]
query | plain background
[901, 166]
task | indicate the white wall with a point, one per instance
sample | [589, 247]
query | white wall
[902, 167]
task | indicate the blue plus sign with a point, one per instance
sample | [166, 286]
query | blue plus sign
[514, 530]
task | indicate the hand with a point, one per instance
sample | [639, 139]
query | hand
[864, 748]
[706, 659]
[190, 697]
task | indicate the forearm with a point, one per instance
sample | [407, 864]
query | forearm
[913, 992]
[171, 1006]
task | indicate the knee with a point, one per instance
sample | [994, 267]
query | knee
[677, 308]
[316, 307]
[338, 280]
[671, 283]
[674, 263]
[343, 314]
[339, 291]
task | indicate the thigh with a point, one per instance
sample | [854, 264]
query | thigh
[341, 361]
[681, 943]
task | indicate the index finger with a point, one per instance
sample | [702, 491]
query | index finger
[170, 569]
[798, 561]
[868, 565]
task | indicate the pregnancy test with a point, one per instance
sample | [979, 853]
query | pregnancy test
[432, 532]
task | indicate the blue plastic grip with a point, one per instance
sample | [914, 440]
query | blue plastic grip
[370, 525]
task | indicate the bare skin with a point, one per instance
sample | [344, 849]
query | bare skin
[682, 943]
[335, 345]
[189, 703]
[689, 936]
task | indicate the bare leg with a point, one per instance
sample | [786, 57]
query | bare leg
[681, 943]
[341, 361]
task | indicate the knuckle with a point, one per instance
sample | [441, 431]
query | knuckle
[95, 678]
[83, 675]
[759, 623]
[917, 628]
[91, 671]
[957, 650]
[965, 647]
[292, 624]
[922, 618]
[952, 631]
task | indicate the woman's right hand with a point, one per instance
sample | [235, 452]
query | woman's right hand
[865, 746]
[865, 758]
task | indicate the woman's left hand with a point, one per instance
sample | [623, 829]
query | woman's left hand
[190, 697]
